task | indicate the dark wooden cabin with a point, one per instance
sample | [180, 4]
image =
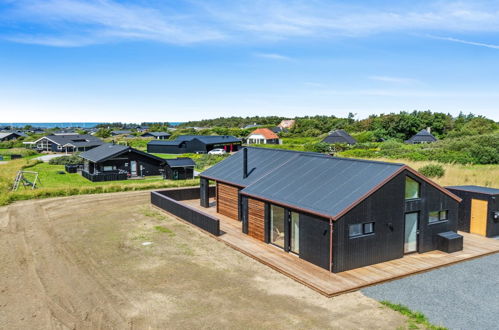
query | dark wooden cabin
[110, 162]
[423, 136]
[194, 144]
[67, 142]
[479, 210]
[339, 136]
[157, 135]
[181, 168]
[337, 213]
[8, 136]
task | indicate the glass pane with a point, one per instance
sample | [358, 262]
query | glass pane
[411, 228]
[433, 216]
[369, 228]
[355, 230]
[277, 225]
[295, 232]
[443, 215]
[411, 188]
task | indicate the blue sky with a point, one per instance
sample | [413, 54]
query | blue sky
[133, 61]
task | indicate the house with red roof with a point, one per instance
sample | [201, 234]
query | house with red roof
[263, 136]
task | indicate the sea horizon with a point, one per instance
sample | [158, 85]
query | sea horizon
[67, 124]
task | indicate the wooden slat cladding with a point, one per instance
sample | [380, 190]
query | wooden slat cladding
[256, 219]
[227, 200]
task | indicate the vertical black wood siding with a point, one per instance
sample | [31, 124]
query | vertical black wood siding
[314, 240]
[385, 208]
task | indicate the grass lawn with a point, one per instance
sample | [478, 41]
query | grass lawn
[50, 177]
[54, 184]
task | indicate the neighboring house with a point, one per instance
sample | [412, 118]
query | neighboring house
[181, 168]
[110, 162]
[423, 136]
[479, 210]
[337, 213]
[287, 124]
[278, 130]
[194, 144]
[263, 136]
[157, 135]
[251, 126]
[8, 136]
[339, 136]
[66, 142]
[114, 133]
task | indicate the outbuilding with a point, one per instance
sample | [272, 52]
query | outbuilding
[194, 144]
[337, 213]
[479, 210]
[339, 136]
[181, 168]
[110, 162]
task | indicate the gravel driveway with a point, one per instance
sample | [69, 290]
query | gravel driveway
[463, 296]
[47, 158]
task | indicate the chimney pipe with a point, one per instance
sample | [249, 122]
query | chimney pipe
[245, 163]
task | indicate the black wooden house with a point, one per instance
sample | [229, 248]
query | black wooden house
[337, 213]
[194, 144]
[110, 162]
[479, 210]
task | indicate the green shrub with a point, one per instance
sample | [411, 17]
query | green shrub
[432, 171]
[66, 160]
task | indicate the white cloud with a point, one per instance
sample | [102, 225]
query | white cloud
[80, 22]
[467, 42]
[273, 56]
[397, 80]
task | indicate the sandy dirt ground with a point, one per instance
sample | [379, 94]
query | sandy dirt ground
[80, 263]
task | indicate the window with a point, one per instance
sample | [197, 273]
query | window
[436, 216]
[433, 216]
[411, 188]
[360, 229]
[368, 228]
[108, 168]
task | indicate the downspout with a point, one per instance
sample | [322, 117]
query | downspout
[330, 245]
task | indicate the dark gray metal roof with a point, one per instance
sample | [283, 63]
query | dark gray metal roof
[321, 185]
[104, 152]
[261, 161]
[121, 132]
[110, 150]
[339, 136]
[180, 162]
[157, 134]
[478, 189]
[165, 143]
[83, 140]
[206, 139]
[422, 136]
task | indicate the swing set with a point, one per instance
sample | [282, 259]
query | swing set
[22, 179]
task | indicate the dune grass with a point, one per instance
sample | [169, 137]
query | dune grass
[415, 319]
[458, 174]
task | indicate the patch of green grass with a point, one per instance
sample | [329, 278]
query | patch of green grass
[149, 212]
[163, 229]
[141, 237]
[415, 319]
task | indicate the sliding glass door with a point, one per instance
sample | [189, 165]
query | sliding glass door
[277, 235]
[295, 232]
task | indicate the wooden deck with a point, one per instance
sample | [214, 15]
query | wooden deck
[331, 284]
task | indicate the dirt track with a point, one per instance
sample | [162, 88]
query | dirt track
[79, 263]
